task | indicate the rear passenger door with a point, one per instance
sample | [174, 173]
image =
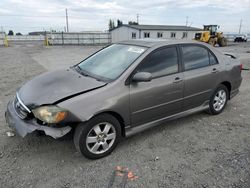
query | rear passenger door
[201, 75]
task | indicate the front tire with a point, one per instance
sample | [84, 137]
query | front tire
[218, 100]
[212, 41]
[98, 137]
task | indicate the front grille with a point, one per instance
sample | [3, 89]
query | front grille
[21, 110]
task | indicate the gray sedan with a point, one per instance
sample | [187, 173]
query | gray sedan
[123, 89]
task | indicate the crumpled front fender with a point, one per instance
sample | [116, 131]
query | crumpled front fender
[23, 127]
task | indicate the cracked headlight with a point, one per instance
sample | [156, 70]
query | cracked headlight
[50, 114]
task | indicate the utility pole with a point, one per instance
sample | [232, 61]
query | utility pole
[240, 26]
[137, 17]
[187, 21]
[67, 22]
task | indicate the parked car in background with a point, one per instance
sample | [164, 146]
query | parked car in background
[240, 38]
[124, 89]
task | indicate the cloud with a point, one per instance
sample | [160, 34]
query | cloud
[4, 11]
[228, 6]
[94, 14]
[96, 5]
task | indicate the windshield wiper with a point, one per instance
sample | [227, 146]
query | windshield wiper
[79, 70]
[85, 73]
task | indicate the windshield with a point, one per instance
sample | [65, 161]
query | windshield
[111, 62]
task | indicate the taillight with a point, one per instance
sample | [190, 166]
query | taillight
[241, 67]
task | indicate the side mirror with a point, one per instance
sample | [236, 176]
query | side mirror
[142, 77]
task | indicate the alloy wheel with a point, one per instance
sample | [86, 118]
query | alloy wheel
[101, 138]
[219, 100]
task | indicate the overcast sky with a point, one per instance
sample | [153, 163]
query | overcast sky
[32, 15]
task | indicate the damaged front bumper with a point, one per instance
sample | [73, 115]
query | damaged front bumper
[23, 127]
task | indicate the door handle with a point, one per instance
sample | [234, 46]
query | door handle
[177, 80]
[214, 70]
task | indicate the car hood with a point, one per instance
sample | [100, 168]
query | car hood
[56, 86]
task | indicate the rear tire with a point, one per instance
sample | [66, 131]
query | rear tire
[98, 137]
[218, 100]
[222, 42]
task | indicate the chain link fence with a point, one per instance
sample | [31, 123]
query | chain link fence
[91, 38]
[2, 38]
[60, 38]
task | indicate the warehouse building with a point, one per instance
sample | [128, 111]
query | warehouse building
[130, 32]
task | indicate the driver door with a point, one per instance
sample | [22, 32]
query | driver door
[163, 95]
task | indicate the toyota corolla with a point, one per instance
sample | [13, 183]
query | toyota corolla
[123, 89]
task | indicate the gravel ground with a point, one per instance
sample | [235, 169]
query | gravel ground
[196, 151]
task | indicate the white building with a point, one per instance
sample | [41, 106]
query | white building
[129, 32]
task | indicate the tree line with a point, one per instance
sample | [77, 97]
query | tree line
[119, 23]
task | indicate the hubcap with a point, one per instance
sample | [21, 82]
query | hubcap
[101, 138]
[219, 100]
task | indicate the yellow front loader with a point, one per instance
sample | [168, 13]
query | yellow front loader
[211, 36]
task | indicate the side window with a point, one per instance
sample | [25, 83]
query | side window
[212, 58]
[159, 35]
[160, 63]
[173, 35]
[133, 35]
[194, 57]
[185, 35]
[146, 35]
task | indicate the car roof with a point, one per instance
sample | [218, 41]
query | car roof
[157, 42]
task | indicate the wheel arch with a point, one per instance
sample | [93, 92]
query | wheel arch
[117, 116]
[229, 87]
